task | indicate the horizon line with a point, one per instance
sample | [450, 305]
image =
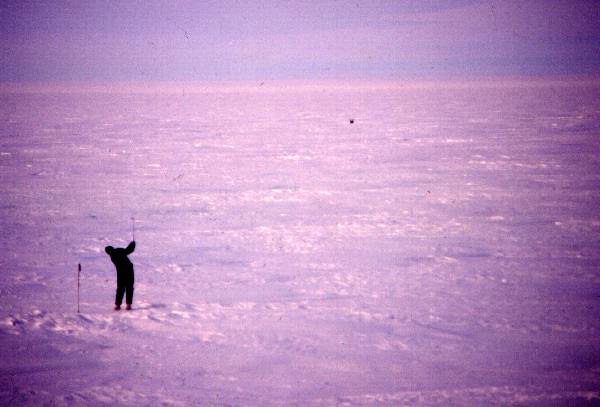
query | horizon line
[204, 86]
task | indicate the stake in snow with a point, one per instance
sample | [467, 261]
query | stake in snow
[78, 284]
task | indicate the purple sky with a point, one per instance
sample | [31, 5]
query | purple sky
[98, 41]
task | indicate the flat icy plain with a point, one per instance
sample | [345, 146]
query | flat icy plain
[442, 250]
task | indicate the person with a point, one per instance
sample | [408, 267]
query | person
[125, 278]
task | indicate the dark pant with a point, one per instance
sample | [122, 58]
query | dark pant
[122, 289]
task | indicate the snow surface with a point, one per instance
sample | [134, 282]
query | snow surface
[441, 250]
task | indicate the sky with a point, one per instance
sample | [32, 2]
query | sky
[141, 41]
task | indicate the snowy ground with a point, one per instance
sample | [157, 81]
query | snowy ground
[444, 249]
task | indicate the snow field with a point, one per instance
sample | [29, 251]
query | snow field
[441, 250]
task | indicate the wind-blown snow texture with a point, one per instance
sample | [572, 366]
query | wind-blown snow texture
[441, 250]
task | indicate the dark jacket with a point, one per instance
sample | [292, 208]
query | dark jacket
[122, 263]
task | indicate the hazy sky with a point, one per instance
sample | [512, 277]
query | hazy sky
[104, 41]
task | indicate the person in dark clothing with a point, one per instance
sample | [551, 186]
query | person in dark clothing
[125, 277]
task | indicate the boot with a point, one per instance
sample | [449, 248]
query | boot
[128, 307]
[117, 307]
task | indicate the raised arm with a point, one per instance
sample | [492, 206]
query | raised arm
[129, 249]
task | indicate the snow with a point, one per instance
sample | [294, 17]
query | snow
[443, 249]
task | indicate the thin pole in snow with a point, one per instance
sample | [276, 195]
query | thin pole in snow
[78, 278]
[133, 228]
